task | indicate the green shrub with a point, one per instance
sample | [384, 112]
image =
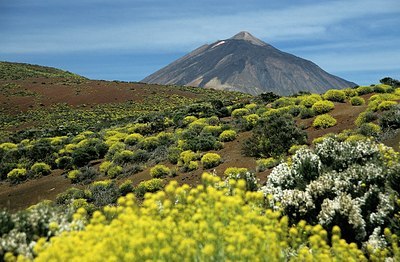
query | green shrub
[185, 159]
[193, 165]
[64, 162]
[306, 112]
[40, 169]
[105, 166]
[251, 120]
[283, 102]
[322, 107]
[386, 105]
[133, 139]
[365, 117]
[293, 149]
[189, 119]
[173, 154]
[237, 113]
[113, 149]
[213, 130]
[390, 119]
[335, 95]
[266, 163]
[362, 90]
[103, 193]
[273, 136]
[17, 174]
[165, 138]
[213, 120]
[126, 188]
[235, 171]
[159, 171]
[150, 186]
[383, 88]
[8, 146]
[74, 175]
[324, 121]
[357, 101]
[369, 129]
[122, 157]
[227, 135]
[149, 143]
[350, 92]
[210, 160]
[114, 171]
[309, 100]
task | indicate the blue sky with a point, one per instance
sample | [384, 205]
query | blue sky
[358, 40]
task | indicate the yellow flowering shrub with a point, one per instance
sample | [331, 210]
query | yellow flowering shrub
[205, 223]
[210, 160]
[324, 121]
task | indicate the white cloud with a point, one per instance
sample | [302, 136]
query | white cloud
[184, 34]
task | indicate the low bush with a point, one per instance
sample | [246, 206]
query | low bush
[283, 102]
[160, 171]
[240, 112]
[114, 171]
[213, 130]
[133, 139]
[103, 193]
[227, 135]
[149, 186]
[322, 107]
[306, 112]
[73, 175]
[64, 162]
[324, 121]
[17, 174]
[369, 129]
[365, 117]
[124, 156]
[335, 95]
[235, 171]
[386, 105]
[390, 119]
[84, 175]
[189, 119]
[273, 136]
[293, 149]
[173, 154]
[266, 163]
[362, 90]
[350, 92]
[40, 169]
[149, 143]
[105, 166]
[210, 160]
[193, 165]
[309, 100]
[187, 160]
[357, 101]
[251, 121]
[126, 188]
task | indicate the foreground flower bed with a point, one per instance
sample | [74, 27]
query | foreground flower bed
[214, 221]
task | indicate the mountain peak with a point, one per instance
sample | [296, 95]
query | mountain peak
[246, 36]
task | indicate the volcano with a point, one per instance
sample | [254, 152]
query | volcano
[245, 63]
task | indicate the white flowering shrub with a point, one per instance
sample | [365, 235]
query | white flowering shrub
[349, 184]
[22, 230]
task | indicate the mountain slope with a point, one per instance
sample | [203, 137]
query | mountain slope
[247, 64]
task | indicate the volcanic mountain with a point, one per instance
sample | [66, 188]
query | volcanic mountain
[247, 64]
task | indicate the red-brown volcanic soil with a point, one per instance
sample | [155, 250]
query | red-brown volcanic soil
[45, 92]
[20, 196]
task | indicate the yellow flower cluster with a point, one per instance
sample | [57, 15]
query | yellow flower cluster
[205, 223]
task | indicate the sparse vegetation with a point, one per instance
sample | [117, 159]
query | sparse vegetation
[346, 179]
